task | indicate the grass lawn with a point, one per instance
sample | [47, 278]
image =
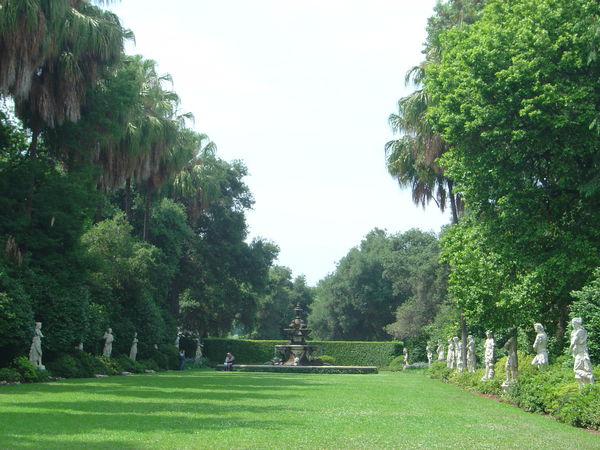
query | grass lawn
[208, 409]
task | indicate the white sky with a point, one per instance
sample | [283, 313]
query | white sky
[300, 91]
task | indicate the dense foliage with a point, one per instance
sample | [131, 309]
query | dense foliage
[386, 277]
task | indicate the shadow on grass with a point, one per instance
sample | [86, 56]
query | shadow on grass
[168, 404]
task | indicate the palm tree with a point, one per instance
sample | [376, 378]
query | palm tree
[412, 159]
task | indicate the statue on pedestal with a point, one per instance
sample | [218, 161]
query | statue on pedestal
[539, 345]
[489, 356]
[471, 362]
[450, 355]
[198, 351]
[35, 352]
[133, 350]
[177, 338]
[429, 352]
[458, 351]
[582, 365]
[406, 363]
[108, 341]
[440, 352]
[512, 361]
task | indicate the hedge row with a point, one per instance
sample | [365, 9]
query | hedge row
[552, 391]
[344, 353]
[308, 369]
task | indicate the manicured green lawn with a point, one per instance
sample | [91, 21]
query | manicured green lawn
[208, 409]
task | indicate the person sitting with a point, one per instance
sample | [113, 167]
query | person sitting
[229, 360]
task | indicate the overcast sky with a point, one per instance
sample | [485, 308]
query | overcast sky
[301, 92]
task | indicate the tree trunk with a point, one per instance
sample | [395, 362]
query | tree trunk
[147, 202]
[32, 154]
[453, 206]
[127, 199]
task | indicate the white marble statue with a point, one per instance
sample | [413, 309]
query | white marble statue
[582, 365]
[133, 350]
[35, 352]
[405, 352]
[429, 352]
[450, 355]
[440, 352]
[108, 342]
[80, 346]
[540, 346]
[178, 338]
[198, 355]
[458, 349]
[471, 361]
[489, 356]
[512, 361]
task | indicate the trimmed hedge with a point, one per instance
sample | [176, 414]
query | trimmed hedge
[307, 369]
[345, 353]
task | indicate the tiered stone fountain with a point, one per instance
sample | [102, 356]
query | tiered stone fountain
[297, 352]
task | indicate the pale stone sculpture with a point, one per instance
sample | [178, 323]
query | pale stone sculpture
[539, 345]
[471, 361]
[80, 346]
[450, 355]
[512, 361]
[429, 354]
[489, 356]
[458, 351]
[440, 351]
[177, 338]
[405, 352]
[133, 350]
[582, 365]
[198, 355]
[108, 341]
[35, 352]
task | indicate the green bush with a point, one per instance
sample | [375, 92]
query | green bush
[9, 375]
[26, 368]
[67, 366]
[345, 353]
[42, 375]
[581, 408]
[90, 364]
[396, 364]
[128, 364]
[111, 366]
[327, 360]
[439, 371]
[149, 364]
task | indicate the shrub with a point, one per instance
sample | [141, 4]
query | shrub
[66, 366]
[128, 364]
[111, 366]
[439, 371]
[42, 375]
[9, 375]
[26, 368]
[90, 364]
[396, 364]
[149, 364]
[327, 360]
[581, 408]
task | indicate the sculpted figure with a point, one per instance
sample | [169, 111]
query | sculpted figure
[429, 354]
[405, 352]
[512, 362]
[457, 363]
[35, 352]
[582, 365]
[450, 354]
[489, 356]
[108, 341]
[177, 338]
[471, 362]
[133, 350]
[440, 351]
[198, 350]
[539, 345]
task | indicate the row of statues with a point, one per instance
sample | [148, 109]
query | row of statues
[35, 351]
[582, 365]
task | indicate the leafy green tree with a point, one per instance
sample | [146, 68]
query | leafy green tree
[515, 99]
